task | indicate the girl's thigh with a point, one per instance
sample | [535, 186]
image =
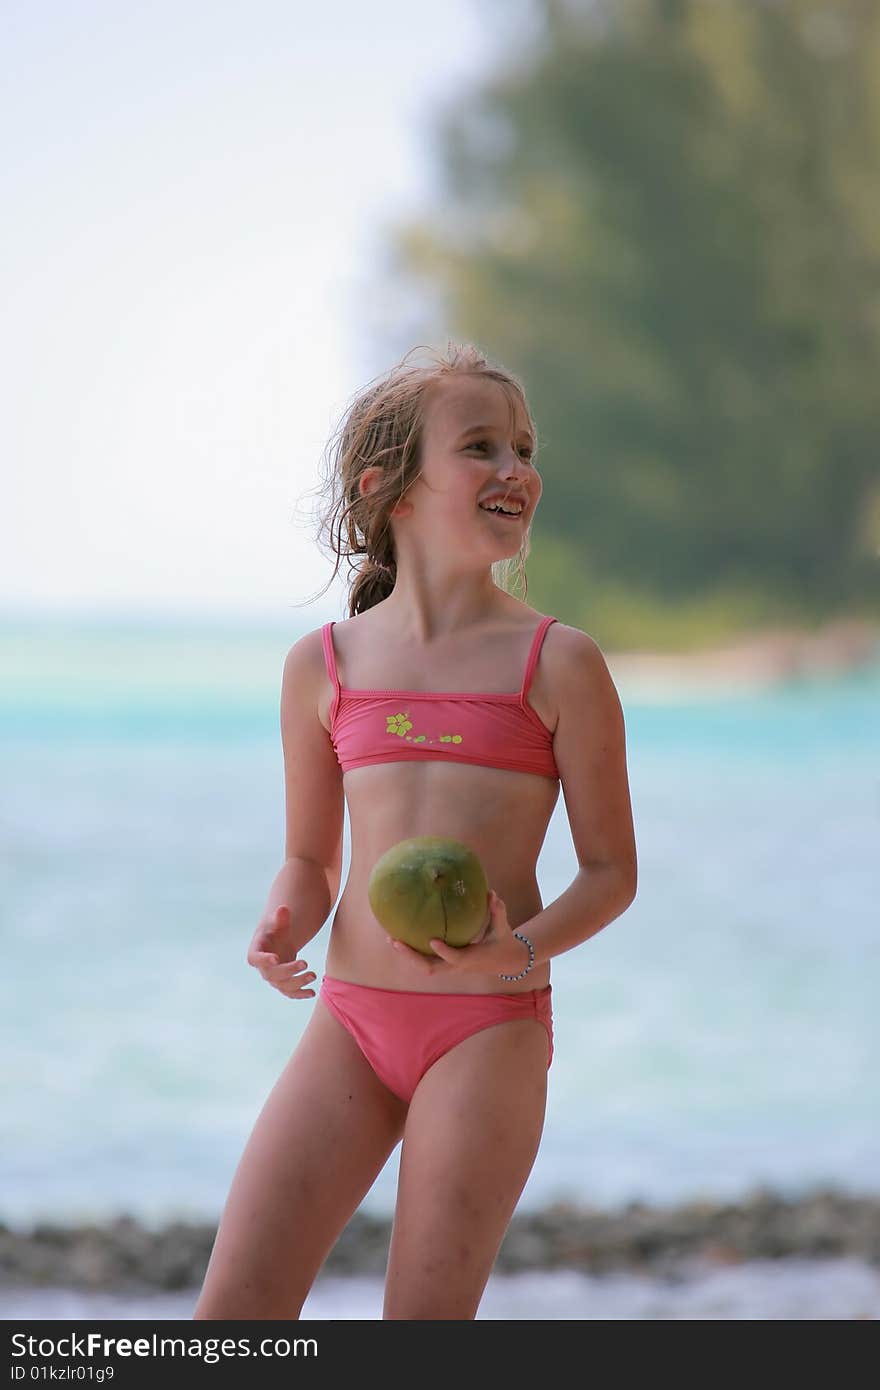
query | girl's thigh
[471, 1137]
[322, 1137]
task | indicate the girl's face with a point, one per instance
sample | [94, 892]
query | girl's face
[476, 447]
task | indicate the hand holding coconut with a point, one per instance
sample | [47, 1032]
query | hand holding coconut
[431, 895]
[495, 951]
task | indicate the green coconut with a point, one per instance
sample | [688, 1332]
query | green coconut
[428, 887]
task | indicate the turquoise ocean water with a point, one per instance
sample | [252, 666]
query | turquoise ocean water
[720, 1035]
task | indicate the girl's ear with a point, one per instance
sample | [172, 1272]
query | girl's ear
[370, 478]
[366, 480]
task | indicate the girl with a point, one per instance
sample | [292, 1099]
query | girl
[448, 1053]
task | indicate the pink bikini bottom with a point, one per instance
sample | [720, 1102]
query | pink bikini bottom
[404, 1032]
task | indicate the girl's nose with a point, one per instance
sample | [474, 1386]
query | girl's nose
[514, 466]
[514, 476]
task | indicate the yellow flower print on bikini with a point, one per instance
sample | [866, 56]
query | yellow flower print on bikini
[399, 724]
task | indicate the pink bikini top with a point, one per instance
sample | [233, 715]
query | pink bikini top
[496, 729]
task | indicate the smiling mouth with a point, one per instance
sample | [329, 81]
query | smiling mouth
[506, 516]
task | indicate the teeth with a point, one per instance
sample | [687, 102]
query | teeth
[497, 507]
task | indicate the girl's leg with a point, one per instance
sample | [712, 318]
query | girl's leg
[322, 1137]
[471, 1137]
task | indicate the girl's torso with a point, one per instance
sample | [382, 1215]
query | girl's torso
[501, 813]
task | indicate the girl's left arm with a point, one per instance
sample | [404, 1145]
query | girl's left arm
[590, 750]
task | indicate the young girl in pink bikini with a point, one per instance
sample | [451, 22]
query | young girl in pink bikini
[442, 706]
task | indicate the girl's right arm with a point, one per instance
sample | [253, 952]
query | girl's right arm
[298, 906]
[306, 886]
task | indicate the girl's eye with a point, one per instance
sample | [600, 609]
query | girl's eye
[480, 442]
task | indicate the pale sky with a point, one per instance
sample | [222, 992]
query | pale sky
[194, 199]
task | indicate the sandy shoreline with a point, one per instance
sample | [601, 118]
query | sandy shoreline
[123, 1255]
[777, 656]
[784, 1289]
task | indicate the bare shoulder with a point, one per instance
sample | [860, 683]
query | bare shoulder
[589, 745]
[575, 650]
[306, 656]
[575, 669]
[303, 676]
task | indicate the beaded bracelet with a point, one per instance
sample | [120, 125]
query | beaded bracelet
[531, 959]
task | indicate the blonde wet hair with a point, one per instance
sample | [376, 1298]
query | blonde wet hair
[383, 428]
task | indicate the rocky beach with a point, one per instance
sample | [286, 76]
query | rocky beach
[124, 1255]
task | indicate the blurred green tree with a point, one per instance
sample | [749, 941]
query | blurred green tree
[665, 214]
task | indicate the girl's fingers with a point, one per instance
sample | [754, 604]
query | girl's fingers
[442, 950]
[281, 968]
[403, 950]
[295, 981]
[279, 973]
[264, 959]
[294, 991]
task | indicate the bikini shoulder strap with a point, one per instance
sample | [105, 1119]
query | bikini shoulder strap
[330, 655]
[533, 655]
